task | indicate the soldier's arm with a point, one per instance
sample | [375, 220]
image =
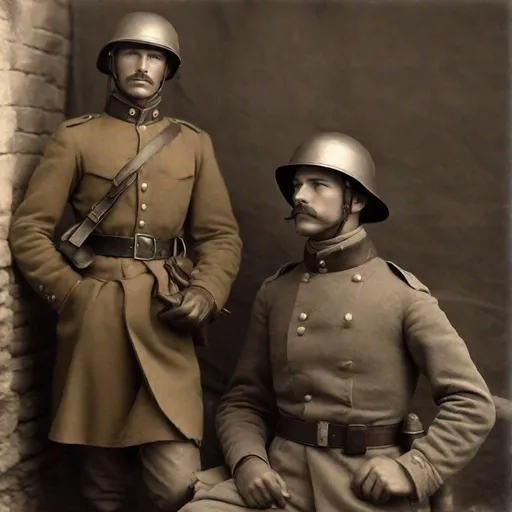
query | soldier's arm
[466, 412]
[213, 227]
[34, 221]
[245, 415]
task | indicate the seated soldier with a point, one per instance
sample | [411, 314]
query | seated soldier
[313, 416]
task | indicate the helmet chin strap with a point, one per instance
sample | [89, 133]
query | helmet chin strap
[346, 208]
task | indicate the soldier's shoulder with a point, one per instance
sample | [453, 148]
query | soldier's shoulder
[281, 271]
[189, 125]
[77, 121]
[407, 277]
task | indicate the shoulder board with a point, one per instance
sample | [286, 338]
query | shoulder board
[282, 270]
[75, 121]
[186, 123]
[409, 278]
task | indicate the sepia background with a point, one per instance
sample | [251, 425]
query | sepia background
[423, 84]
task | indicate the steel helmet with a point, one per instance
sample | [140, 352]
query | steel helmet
[144, 28]
[340, 153]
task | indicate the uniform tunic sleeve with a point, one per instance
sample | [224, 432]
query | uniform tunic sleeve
[213, 228]
[35, 219]
[466, 412]
[246, 413]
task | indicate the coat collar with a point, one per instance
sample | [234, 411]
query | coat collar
[123, 109]
[349, 255]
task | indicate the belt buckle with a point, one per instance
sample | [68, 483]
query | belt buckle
[355, 440]
[144, 242]
[322, 434]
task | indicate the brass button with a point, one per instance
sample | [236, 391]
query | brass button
[131, 111]
[155, 113]
[143, 207]
[348, 317]
[144, 187]
[308, 398]
[305, 278]
[321, 264]
[322, 270]
[303, 316]
[357, 278]
[301, 330]
[142, 128]
[41, 288]
[141, 223]
[52, 298]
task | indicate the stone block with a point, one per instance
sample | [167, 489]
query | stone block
[6, 32]
[28, 361]
[28, 143]
[33, 404]
[5, 335]
[34, 91]
[5, 221]
[9, 452]
[5, 297]
[25, 380]
[4, 279]
[53, 68]
[5, 255]
[53, 44]
[7, 128]
[6, 315]
[9, 415]
[49, 16]
[34, 120]
[7, 169]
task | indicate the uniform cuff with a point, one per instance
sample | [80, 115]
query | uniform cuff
[234, 457]
[56, 294]
[218, 297]
[425, 477]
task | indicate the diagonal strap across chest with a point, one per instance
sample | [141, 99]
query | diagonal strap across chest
[123, 179]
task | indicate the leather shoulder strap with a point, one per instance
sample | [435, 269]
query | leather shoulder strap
[124, 178]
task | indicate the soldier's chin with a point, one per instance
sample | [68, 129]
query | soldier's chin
[307, 226]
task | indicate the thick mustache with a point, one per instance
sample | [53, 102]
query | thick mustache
[141, 77]
[302, 208]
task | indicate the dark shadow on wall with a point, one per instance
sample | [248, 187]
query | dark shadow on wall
[423, 86]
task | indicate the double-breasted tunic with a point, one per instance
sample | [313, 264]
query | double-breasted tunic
[344, 340]
[121, 376]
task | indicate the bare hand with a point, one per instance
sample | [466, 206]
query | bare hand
[189, 309]
[259, 485]
[380, 478]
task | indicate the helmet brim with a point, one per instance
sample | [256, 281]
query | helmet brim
[102, 60]
[374, 211]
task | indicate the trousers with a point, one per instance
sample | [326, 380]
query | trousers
[168, 470]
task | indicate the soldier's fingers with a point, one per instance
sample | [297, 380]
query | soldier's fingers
[378, 492]
[275, 491]
[360, 477]
[368, 484]
[262, 496]
[282, 484]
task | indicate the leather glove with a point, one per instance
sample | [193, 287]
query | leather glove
[259, 485]
[189, 309]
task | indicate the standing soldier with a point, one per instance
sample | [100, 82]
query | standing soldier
[126, 380]
[316, 412]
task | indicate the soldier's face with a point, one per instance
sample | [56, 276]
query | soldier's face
[140, 71]
[318, 200]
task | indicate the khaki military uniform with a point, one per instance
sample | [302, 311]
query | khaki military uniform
[344, 340]
[122, 377]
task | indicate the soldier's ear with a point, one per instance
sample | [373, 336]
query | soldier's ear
[359, 201]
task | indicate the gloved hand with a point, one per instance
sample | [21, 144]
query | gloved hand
[189, 309]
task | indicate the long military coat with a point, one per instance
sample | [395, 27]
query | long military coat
[345, 343]
[121, 376]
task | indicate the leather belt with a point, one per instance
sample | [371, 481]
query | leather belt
[139, 247]
[353, 439]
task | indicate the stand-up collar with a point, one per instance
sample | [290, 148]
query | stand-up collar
[124, 110]
[348, 254]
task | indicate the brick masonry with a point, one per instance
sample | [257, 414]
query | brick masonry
[34, 53]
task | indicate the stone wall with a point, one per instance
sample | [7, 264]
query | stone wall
[34, 52]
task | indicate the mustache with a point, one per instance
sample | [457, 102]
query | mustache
[140, 76]
[302, 208]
